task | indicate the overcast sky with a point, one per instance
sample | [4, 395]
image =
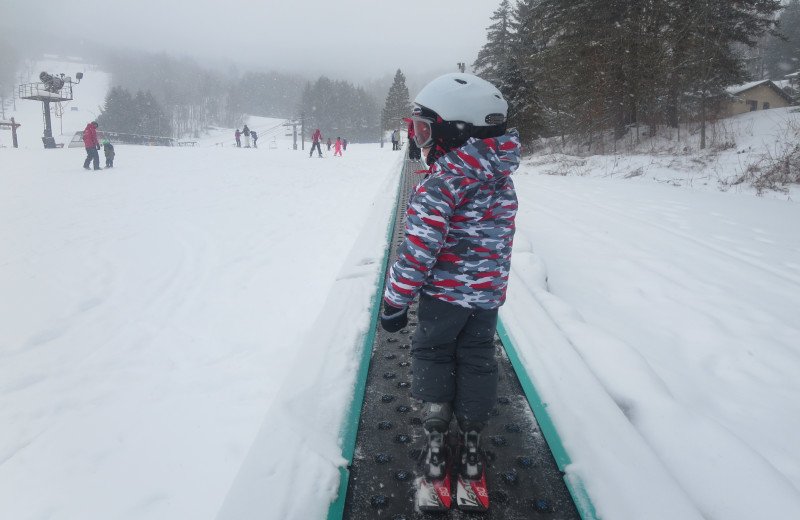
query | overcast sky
[341, 38]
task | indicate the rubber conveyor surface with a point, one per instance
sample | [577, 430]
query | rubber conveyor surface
[523, 479]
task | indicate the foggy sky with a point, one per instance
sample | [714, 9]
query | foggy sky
[341, 38]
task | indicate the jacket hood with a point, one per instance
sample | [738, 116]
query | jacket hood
[483, 159]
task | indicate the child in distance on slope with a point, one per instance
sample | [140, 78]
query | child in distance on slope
[108, 150]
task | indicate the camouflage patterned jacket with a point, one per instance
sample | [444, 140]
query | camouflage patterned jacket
[460, 228]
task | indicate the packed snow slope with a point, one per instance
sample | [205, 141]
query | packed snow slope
[179, 334]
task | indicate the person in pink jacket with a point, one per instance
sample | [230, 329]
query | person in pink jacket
[337, 147]
[92, 146]
[316, 139]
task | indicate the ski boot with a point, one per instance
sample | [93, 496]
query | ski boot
[436, 455]
[433, 491]
[471, 492]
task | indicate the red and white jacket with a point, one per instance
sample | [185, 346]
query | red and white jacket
[460, 228]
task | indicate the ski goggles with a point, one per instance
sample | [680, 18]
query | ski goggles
[423, 131]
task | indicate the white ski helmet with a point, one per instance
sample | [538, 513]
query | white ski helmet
[464, 97]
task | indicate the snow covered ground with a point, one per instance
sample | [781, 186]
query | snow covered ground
[179, 335]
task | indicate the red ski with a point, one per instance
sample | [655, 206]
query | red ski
[433, 495]
[471, 494]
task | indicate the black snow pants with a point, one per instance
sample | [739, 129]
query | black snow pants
[414, 153]
[92, 157]
[452, 358]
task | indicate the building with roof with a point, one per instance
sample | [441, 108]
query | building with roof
[756, 95]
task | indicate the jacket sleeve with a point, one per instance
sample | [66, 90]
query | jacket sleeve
[427, 226]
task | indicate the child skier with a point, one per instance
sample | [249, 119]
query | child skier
[108, 150]
[337, 147]
[456, 257]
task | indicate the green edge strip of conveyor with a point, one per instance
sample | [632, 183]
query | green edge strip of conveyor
[349, 427]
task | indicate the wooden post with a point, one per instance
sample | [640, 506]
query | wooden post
[14, 132]
[13, 124]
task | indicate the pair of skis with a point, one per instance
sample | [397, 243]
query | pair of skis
[433, 493]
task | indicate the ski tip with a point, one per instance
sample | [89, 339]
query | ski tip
[472, 495]
[433, 495]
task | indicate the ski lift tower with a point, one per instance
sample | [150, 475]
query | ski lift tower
[51, 88]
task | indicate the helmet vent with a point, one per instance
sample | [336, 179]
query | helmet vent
[459, 80]
[495, 119]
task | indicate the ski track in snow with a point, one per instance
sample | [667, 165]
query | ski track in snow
[162, 294]
[621, 240]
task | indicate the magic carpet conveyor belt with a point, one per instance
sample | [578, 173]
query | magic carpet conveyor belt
[523, 478]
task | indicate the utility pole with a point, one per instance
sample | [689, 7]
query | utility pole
[13, 124]
[303, 131]
[294, 125]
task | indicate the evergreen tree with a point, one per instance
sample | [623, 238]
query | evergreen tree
[193, 98]
[782, 53]
[711, 61]
[494, 57]
[118, 113]
[615, 64]
[266, 94]
[140, 114]
[338, 108]
[503, 61]
[150, 120]
[398, 104]
[526, 74]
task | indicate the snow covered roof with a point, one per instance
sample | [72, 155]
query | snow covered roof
[739, 89]
[782, 83]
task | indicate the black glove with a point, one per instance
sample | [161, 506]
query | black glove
[394, 318]
[98, 146]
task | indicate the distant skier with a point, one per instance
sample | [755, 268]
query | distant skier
[246, 132]
[337, 147]
[238, 136]
[92, 146]
[456, 257]
[108, 150]
[329, 144]
[396, 139]
[344, 144]
[254, 135]
[316, 139]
